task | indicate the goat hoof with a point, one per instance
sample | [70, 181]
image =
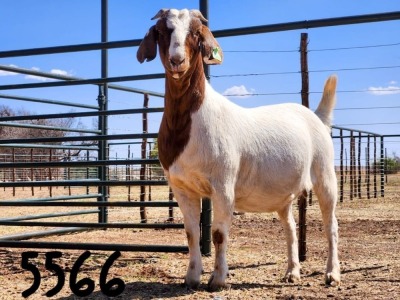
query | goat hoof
[332, 279]
[192, 284]
[291, 277]
[214, 286]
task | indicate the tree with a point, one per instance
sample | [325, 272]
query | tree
[390, 165]
[156, 169]
[35, 154]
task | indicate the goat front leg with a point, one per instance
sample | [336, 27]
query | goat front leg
[289, 226]
[191, 216]
[220, 233]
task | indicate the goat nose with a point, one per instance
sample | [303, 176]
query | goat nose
[176, 61]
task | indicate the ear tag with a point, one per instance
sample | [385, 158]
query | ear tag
[215, 54]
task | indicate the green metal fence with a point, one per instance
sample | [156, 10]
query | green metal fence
[97, 141]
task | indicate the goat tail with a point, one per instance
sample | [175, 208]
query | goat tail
[325, 108]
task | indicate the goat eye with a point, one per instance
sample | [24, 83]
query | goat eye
[166, 32]
[195, 34]
[162, 31]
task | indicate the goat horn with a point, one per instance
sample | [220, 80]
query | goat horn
[196, 13]
[161, 14]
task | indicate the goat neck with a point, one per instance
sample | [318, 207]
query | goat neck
[183, 97]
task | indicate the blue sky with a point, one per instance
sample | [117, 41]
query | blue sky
[369, 77]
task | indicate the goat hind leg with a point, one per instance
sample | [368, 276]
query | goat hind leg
[332, 276]
[327, 196]
[289, 226]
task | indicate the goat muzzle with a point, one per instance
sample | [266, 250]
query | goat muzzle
[176, 63]
[177, 66]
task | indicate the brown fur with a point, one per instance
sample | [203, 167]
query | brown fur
[218, 237]
[183, 96]
[148, 46]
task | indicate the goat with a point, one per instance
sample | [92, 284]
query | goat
[253, 160]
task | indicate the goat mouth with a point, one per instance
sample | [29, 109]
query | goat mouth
[177, 71]
[177, 75]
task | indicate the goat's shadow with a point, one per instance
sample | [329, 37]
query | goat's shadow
[251, 266]
[142, 290]
[157, 290]
[160, 290]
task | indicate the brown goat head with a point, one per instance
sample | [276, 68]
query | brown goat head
[182, 38]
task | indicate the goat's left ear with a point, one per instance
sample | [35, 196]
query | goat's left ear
[148, 47]
[210, 49]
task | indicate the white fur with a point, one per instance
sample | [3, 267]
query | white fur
[179, 22]
[254, 160]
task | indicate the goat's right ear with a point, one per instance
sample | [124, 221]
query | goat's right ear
[148, 47]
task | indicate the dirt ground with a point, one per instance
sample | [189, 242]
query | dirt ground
[369, 252]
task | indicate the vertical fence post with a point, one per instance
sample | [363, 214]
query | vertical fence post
[149, 169]
[386, 167]
[171, 208]
[102, 156]
[206, 207]
[143, 214]
[103, 120]
[87, 171]
[32, 174]
[359, 166]
[128, 173]
[50, 177]
[351, 165]
[382, 167]
[375, 169]
[69, 172]
[368, 168]
[13, 170]
[305, 102]
[341, 165]
[205, 220]
[346, 166]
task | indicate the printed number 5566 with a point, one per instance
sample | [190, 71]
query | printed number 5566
[81, 288]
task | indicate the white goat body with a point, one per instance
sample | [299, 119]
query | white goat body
[270, 154]
[255, 160]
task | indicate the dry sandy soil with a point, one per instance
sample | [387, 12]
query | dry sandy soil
[369, 253]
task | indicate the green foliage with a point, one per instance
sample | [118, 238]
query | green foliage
[391, 165]
[154, 151]
[156, 169]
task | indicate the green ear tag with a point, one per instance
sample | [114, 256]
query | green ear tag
[215, 54]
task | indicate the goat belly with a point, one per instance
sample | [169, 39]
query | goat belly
[261, 202]
[192, 184]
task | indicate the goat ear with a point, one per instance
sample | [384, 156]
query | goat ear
[210, 49]
[148, 47]
[196, 13]
[162, 13]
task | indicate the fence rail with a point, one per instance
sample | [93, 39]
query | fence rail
[98, 164]
[98, 143]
